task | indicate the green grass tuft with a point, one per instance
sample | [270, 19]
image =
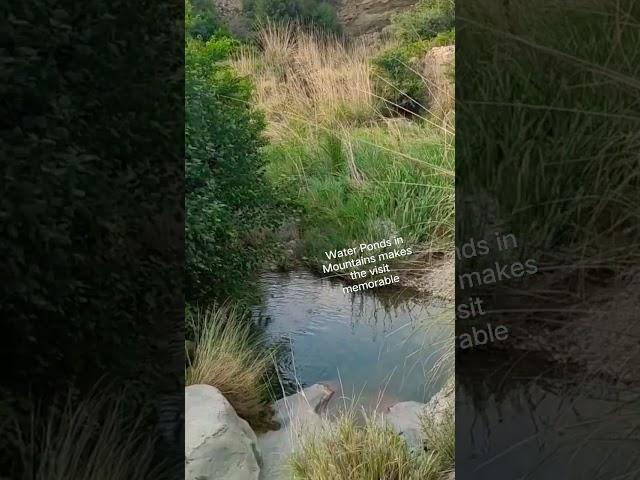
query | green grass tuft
[364, 185]
[363, 449]
[230, 355]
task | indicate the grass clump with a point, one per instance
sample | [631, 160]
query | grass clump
[96, 438]
[355, 449]
[367, 184]
[560, 166]
[440, 438]
[230, 355]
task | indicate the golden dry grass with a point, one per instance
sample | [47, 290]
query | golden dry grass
[229, 356]
[304, 75]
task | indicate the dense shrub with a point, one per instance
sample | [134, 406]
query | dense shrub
[398, 76]
[319, 13]
[227, 201]
[90, 229]
[201, 19]
[425, 20]
[430, 23]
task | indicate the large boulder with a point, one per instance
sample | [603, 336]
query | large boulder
[219, 445]
[297, 414]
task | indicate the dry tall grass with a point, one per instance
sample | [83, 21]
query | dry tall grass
[309, 78]
[93, 439]
[306, 75]
[229, 357]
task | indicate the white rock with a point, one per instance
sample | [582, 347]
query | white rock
[297, 414]
[219, 445]
[404, 418]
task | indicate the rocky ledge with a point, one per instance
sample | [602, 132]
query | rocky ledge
[219, 445]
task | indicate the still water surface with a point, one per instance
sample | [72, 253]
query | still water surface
[380, 345]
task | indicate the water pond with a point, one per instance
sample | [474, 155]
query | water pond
[375, 348]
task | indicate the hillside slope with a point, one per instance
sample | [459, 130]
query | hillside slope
[360, 17]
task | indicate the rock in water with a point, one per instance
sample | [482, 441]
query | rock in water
[219, 445]
[299, 413]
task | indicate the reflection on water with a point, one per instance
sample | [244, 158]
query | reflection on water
[513, 426]
[381, 346]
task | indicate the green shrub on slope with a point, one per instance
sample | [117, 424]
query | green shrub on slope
[226, 196]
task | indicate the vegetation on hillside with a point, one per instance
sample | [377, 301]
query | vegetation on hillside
[399, 67]
[298, 112]
[355, 174]
[318, 13]
[227, 200]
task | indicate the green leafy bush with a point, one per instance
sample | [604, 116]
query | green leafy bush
[91, 216]
[424, 21]
[201, 19]
[308, 12]
[398, 78]
[226, 197]
[430, 23]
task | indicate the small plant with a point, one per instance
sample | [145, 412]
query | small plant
[231, 356]
[398, 78]
[440, 438]
[360, 449]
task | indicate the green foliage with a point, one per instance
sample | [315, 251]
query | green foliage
[398, 78]
[398, 70]
[318, 13]
[430, 23]
[424, 21]
[201, 19]
[91, 220]
[367, 184]
[227, 201]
